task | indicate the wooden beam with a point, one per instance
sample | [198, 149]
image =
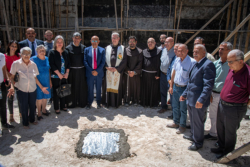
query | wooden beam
[179, 18]
[205, 25]
[234, 154]
[31, 14]
[228, 19]
[233, 32]
[59, 12]
[247, 56]
[82, 20]
[5, 20]
[19, 20]
[67, 12]
[247, 39]
[25, 13]
[244, 13]
[13, 20]
[116, 16]
[175, 13]
[121, 20]
[237, 22]
[7, 10]
[41, 5]
[37, 19]
[127, 15]
[76, 17]
[233, 14]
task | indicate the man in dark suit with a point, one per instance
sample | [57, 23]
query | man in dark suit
[197, 93]
[31, 41]
[94, 61]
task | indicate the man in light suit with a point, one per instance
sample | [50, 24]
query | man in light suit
[31, 41]
[94, 61]
[197, 94]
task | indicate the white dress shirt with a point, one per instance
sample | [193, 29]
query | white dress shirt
[2, 63]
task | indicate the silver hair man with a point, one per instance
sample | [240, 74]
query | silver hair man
[26, 49]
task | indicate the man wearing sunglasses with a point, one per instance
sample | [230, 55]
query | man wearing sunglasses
[94, 61]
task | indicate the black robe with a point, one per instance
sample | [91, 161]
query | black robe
[150, 87]
[131, 85]
[77, 77]
[109, 98]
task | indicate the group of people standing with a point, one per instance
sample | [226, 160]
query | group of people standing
[35, 69]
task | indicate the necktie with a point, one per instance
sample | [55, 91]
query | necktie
[33, 49]
[95, 63]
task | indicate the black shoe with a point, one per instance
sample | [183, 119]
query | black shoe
[65, 109]
[188, 137]
[58, 112]
[219, 156]
[193, 147]
[126, 104]
[88, 107]
[209, 137]
[162, 110]
[39, 118]
[47, 113]
[7, 126]
[99, 106]
[216, 144]
[188, 126]
[216, 150]
[170, 117]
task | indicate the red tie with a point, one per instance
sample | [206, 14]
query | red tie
[95, 63]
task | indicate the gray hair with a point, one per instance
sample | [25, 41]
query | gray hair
[25, 49]
[238, 53]
[229, 45]
[55, 41]
[184, 46]
[40, 47]
[77, 34]
[201, 46]
[177, 44]
[115, 33]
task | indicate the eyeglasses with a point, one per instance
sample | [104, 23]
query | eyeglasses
[93, 41]
[231, 62]
[26, 54]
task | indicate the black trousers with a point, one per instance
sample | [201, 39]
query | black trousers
[56, 99]
[28, 106]
[3, 109]
[10, 103]
[228, 122]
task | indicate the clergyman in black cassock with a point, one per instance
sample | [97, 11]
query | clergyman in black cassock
[132, 75]
[116, 61]
[77, 74]
[150, 83]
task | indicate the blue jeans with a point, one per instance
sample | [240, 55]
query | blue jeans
[179, 107]
[164, 91]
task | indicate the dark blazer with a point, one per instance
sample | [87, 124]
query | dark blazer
[201, 83]
[55, 60]
[100, 61]
[25, 43]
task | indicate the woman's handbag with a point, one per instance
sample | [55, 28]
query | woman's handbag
[16, 77]
[63, 90]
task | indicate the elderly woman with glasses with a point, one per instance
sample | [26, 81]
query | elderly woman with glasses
[59, 67]
[26, 85]
[44, 83]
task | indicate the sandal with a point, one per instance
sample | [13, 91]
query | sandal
[47, 114]
[39, 118]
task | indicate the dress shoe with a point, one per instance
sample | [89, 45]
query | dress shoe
[181, 130]
[188, 137]
[88, 107]
[216, 150]
[39, 117]
[7, 126]
[126, 104]
[99, 106]
[188, 126]
[162, 110]
[193, 147]
[170, 117]
[172, 125]
[209, 137]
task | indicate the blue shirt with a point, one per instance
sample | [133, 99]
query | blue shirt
[169, 73]
[160, 47]
[166, 58]
[62, 68]
[49, 46]
[30, 45]
[221, 74]
[182, 69]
